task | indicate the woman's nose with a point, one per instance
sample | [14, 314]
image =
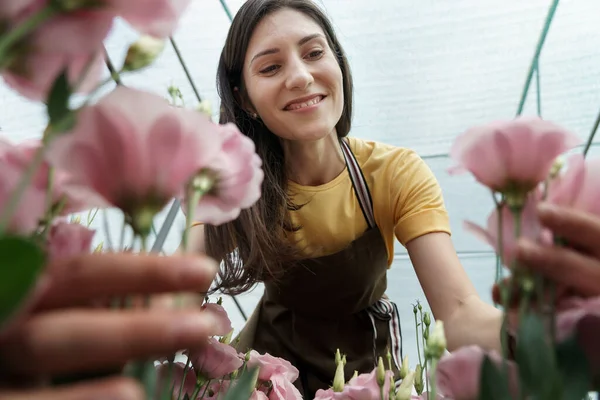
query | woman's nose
[299, 77]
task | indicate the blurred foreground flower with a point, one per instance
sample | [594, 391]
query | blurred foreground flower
[136, 152]
[511, 157]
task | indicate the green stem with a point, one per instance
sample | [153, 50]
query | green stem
[424, 351]
[26, 27]
[185, 372]
[193, 199]
[434, 362]
[15, 198]
[417, 337]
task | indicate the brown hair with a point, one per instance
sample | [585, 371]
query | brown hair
[262, 250]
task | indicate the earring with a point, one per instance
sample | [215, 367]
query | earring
[254, 115]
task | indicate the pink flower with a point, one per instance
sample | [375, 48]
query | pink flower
[31, 207]
[269, 366]
[67, 240]
[511, 155]
[218, 311]
[530, 228]
[189, 384]
[458, 373]
[215, 359]
[283, 389]
[258, 395]
[238, 175]
[153, 17]
[578, 187]
[70, 201]
[136, 151]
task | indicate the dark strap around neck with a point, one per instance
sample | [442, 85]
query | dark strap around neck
[360, 185]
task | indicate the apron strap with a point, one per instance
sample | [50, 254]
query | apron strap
[383, 309]
[360, 186]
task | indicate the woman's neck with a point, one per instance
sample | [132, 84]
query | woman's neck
[314, 163]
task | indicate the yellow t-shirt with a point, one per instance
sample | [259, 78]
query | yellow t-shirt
[407, 202]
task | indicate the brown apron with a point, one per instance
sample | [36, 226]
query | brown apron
[332, 302]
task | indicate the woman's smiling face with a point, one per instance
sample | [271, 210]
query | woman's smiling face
[292, 77]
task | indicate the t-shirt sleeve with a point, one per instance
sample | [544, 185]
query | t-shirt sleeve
[417, 199]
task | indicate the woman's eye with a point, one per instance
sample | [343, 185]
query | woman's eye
[269, 69]
[315, 54]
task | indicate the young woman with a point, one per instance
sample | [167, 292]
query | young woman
[321, 237]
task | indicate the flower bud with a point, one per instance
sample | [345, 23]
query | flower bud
[388, 356]
[404, 391]
[426, 318]
[436, 344]
[227, 338]
[142, 53]
[419, 379]
[338, 357]
[426, 333]
[420, 307]
[220, 301]
[234, 374]
[405, 369]
[380, 373]
[76, 219]
[557, 166]
[247, 357]
[99, 248]
[338, 379]
[205, 107]
[355, 374]
[415, 310]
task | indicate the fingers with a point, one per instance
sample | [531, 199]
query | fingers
[118, 388]
[87, 340]
[563, 265]
[99, 276]
[580, 229]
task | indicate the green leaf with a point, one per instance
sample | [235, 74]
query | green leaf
[574, 370]
[494, 384]
[59, 113]
[21, 262]
[538, 371]
[145, 373]
[244, 386]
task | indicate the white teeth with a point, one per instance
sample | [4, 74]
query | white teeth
[297, 106]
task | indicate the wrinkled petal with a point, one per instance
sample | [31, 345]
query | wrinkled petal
[215, 360]
[270, 366]
[458, 373]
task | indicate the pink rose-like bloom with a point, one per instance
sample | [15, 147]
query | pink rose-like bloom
[505, 155]
[458, 373]
[67, 240]
[361, 387]
[134, 150]
[269, 366]
[73, 40]
[178, 372]
[530, 228]
[283, 389]
[219, 312]
[579, 186]
[215, 359]
[258, 395]
[238, 179]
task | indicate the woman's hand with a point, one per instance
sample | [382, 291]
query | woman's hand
[65, 334]
[576, 267]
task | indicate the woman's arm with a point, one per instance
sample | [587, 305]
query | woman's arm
[451, 295]
[422, 225]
